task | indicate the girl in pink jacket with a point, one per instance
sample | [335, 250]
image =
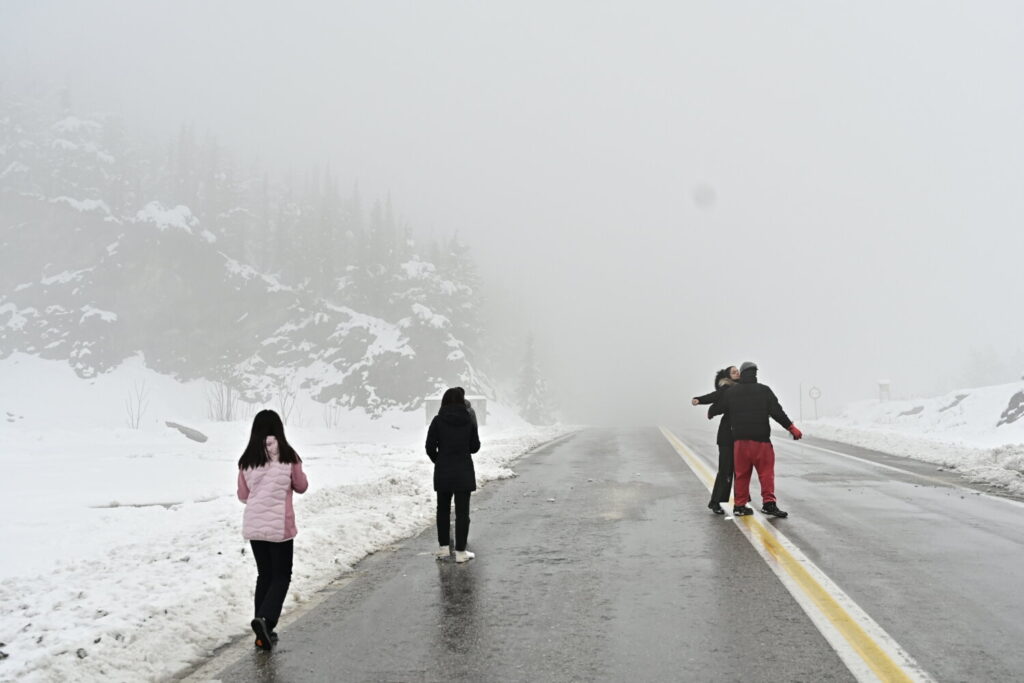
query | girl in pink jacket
[268, 471]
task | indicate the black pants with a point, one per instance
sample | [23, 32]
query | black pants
[723, 481]
[274, 564]
[444, 515]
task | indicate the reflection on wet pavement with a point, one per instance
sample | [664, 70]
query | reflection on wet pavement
[458, 627]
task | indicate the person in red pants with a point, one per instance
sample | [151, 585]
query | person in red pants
[749, 405]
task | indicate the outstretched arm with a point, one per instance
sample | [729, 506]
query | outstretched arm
[776, 412]
[707, 399]
[779, 415]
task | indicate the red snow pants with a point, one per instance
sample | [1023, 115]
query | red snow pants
[748, 456]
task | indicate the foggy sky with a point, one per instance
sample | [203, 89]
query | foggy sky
[832, 191]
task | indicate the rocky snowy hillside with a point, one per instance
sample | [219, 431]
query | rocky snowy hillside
[110, 251]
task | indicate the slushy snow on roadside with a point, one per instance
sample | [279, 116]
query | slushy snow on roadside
[977, 432]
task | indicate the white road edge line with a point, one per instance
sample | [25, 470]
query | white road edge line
[857, 664]
[1009, 501]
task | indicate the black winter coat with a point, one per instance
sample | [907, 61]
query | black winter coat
[724, 425]
[748, 405]
[451, 441]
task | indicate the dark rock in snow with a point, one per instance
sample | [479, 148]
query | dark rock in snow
[193, 434]
[1014, 410]
[955, 403]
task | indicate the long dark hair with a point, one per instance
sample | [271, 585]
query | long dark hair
[723, 374]
[266, 423]
[456, 396]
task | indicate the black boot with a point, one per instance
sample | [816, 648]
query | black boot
[716, 508]
[263, 639]
[741, 510]
[273, 639]
[773, 509]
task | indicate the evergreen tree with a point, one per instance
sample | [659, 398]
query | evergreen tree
[185, 187]
[369, 280]
[326, 242]
[533, 392]
[256, 297]
[267, 238]
[462, 286]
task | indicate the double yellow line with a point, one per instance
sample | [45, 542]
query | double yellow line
[866, 649]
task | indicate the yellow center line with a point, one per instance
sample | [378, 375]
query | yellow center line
[869, 650]
[703, 472]
[873, 654]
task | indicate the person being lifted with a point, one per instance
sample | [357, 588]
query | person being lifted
[724, 379]
[748, 406]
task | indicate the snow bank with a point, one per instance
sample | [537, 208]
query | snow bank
[126, 536]
[978, 432]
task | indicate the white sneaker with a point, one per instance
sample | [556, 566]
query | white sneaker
[463, 556]
[443, 552]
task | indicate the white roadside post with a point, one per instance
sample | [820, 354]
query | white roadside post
[815, 394]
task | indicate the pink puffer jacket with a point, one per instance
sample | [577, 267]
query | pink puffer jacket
[267, 494]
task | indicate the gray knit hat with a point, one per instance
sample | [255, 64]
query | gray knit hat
[748, 365]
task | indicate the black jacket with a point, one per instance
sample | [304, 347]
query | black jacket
[451, 441]
[724, 425]
[748, 405]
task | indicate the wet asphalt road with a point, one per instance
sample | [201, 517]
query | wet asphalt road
[598, 562]
[939, 567]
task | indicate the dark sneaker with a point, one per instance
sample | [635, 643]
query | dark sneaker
[773, 509]
[716, 508]
[263, 639]
[741, 510]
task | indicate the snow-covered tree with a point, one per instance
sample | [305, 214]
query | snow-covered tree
[214, 270]
[533, 399]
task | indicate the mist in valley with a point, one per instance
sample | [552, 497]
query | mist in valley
[648, 192]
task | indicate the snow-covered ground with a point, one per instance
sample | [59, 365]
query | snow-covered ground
[977, 432]
[122, 551]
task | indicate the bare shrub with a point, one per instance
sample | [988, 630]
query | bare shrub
[286, 396]
[332, 415]
[221, 402]
[245, 411]
[136, 403]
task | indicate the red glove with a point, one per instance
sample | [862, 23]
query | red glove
[797, 434]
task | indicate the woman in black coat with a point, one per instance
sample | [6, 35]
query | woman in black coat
[723, 481]
[451, 441]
